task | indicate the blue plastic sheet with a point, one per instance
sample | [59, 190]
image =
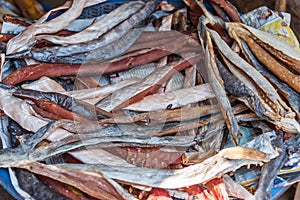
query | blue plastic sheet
[6, 184]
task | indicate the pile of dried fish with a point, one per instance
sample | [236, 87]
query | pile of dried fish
[149, 101]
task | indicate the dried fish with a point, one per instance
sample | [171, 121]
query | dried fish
[292, 96]
[248, 117]
[149, 85]
[239, 89]
[36, 71]
[99, 27]
[225, 161]
[96, 141]
[64, 101]
[27, 38]
[5, 136]
[8, 104]
[5, 37]
[190, 81]
[217, 85]
[85, 83]
[176, 98]
[44, 84]
[277, 47]
[17, 20]
[163, 116]
[58, 111]
[251, 72]
[36, 188]
[29, 121]
[105, 52]
[160, 135]
[158, 38]
[229, 9]
[113, 35]
[271, 63]
[277, 111]
[99, 188]
[94, 95]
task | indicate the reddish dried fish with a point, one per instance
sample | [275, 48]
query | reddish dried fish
[90, 182]
[219, 11]
[158, 158]
[45, 114]
[17, 20]
[195, 12]
[217, 188]
[36, 71]
[6, 37]
[159, 194]
[198, 192]
[64, 101]
[85, 83]
[59, 111]
[229, 9]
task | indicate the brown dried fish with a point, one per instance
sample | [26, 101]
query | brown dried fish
[287, 92]
[277, 111]
[283, 73]
[90, 182]
[279, 48]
